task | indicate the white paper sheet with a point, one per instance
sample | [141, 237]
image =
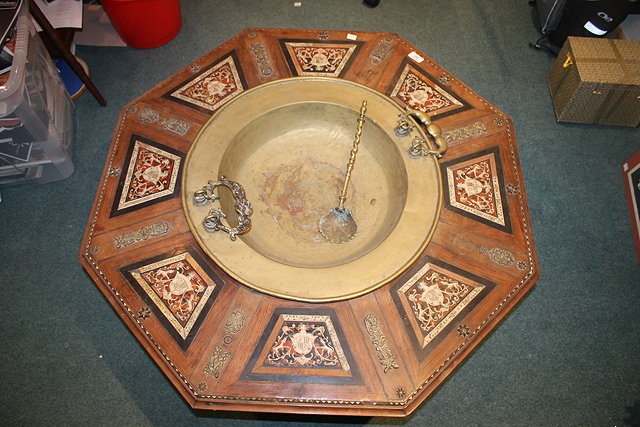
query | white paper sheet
[62, 13]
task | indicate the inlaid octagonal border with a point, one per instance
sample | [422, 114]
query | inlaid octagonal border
[224, 400]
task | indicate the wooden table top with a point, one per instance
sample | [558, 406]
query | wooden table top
[225, 346]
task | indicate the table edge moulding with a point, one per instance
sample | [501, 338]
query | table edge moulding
[226, 345]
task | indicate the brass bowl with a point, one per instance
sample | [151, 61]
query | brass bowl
[287, 143]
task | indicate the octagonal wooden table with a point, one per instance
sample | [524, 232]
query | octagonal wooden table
[225, 346]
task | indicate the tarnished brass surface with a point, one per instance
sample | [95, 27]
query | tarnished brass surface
[285, 142]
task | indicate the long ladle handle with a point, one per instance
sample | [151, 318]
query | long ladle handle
[352, 155]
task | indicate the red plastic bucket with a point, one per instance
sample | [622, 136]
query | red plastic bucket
[145, 23]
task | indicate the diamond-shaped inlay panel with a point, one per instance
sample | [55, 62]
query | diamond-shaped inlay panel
[433, 297]
[313, 58]
[302, 342]
[306, 341]
[418, 90]
[179, 290]
[213, 87]
[151, 174]
[474, 187]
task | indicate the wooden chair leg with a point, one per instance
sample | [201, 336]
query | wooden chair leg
[42, 20]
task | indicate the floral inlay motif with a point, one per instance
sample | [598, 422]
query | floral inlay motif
[475, 188]
[214, 87]
[463, 331]
[216, 361]
[420, 93]
[152, 173]
[434, 299]
[177, 288]
[260, 52]
[319, 59]
[306, 341]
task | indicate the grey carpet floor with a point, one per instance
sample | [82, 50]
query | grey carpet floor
[569, 354]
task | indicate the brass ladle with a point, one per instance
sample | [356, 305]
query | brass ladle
[338, 225]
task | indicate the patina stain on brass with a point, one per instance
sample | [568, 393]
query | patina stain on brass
[284, 142]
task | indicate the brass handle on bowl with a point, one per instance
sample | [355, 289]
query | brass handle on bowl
[213, 221]
[426, 148]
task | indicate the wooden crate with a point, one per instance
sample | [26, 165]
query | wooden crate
[597, 81]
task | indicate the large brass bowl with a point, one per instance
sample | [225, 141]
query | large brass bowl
[287, 143]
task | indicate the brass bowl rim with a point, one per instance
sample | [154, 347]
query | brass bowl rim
[268, 288]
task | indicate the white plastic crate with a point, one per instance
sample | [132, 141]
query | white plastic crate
[36, 113]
